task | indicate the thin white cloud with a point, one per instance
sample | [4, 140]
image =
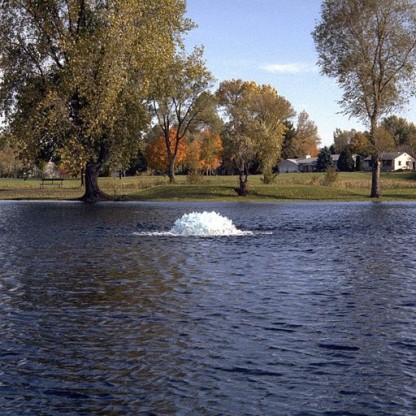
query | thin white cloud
[290, 68]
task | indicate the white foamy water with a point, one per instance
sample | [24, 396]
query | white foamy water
[202, 224]
[205, 224]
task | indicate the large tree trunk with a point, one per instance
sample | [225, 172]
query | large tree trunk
[243, 189]
[375, 158]
[92, 190]
[171, 171]
[375, 177]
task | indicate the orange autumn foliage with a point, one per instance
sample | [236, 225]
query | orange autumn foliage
[156, 152]
[204, 152]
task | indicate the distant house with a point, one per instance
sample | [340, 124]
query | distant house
[306, 164]
[392, 161]
[288, 166]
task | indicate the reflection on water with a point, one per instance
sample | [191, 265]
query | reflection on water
[312, 314]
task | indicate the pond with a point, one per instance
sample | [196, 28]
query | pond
[310, 311]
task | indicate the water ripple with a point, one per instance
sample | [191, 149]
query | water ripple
[310, 318]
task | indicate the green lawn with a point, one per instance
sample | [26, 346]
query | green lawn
[286, 187]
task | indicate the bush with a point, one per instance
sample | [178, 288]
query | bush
[330, 177]
[269, 178]
[194, 178]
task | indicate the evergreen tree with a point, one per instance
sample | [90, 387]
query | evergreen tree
[324, 159]
[345, 161]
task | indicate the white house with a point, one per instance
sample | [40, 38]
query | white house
[392, 161]
[288, 166]
[306, 164]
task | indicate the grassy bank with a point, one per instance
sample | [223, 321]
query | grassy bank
[286, 187]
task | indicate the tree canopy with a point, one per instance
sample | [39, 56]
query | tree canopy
[179, 100]
[255, 126]
[402, 132]
[345, 161]
[75, 75]
[324, 159]
[303, 140]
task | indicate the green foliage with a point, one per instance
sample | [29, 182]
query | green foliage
[324, 160]
[255, 127]
[289, 151]
[331, 176]
[346, 162]
[180, 102]
[269, 178]
[75, 75]
[137, 165]
[403, 133]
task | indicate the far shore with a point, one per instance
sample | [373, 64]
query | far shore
[354, 186]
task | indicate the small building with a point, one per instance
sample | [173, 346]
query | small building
[306, 164]
[392, 162]
[288, 166]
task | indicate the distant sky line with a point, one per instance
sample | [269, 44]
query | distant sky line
[270, 42]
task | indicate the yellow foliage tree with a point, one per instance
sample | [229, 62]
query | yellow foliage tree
[76, 75]
[211, 151]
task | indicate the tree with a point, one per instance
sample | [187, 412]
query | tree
[255, 127]
[342, 139]
[192, 160]
[402, 132]
[345, 161]
[75, 76]
[306, 136]
[10, 166]
[324, 159]
[360, 144]
[370, 48]
[300, 140]
[155, 151]
[179, 100]
[211, 149]
[289, 151]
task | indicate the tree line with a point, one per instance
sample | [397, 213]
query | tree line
[89, 84]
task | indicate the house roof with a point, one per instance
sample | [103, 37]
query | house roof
[294, 161]
[389, 155]
[307, 160]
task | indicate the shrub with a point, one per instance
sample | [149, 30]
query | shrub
[330, 177]
[269, 178]
[194, 178]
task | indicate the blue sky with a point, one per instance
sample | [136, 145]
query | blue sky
[270, 42]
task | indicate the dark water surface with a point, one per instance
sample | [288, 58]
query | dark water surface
[313, 314]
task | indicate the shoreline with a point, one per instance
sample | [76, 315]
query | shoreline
[349, 187]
